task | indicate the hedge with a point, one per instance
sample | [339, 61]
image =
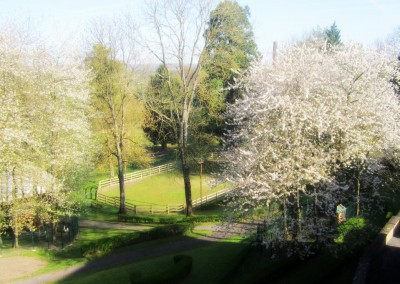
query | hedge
[168, 220]
[103, 246]
[168, 275]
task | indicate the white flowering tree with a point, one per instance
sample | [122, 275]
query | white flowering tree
[45, 135]
[300, 121]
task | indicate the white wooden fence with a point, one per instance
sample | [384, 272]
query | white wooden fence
[163, 209]
[137, 175]
[213, 197]
[155, 209]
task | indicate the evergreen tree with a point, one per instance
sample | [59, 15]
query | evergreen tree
[230, 51]
[332, 35]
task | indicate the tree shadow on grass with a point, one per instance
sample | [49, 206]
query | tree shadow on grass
[116, 267]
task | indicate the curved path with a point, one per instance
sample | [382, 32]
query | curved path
[111, 225]
[126, 257]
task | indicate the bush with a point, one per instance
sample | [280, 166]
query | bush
[149, 219]
[175, 274]
[104, 246]
[168, 220]
[348, 228]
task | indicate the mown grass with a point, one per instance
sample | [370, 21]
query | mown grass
[104, 213]
[162, 189]
[210, 262]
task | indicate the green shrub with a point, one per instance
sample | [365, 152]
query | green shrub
[168, 220]
[175, 274]
[149, 219]
[350, 229]
[104, 246]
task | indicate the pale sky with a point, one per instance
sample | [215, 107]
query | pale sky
[363, 21]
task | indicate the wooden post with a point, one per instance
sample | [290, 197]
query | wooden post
[135, 209]
[201, 182]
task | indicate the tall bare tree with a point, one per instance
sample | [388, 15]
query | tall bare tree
[177, 43]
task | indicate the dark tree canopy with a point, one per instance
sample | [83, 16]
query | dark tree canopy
[231, 49]
[157, 127]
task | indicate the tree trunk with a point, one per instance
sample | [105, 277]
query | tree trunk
[315, 205]
[298, 211]
[358, 185]
[15, 187]
[7, 185]
[53, 233]
[14, 236]
[122, 209]
[163, 145]
[187, 184]
[182, 143]
[285, 221]
[112, 173]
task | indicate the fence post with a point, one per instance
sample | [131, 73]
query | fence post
[135, 209]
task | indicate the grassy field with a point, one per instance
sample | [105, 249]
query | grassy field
[210, 262]
[162, 189]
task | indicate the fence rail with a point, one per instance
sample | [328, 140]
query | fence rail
[135, 208]
[213, 197]
[161, 209]
[137, 175]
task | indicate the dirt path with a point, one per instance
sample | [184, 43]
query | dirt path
[110, 225]
[10, 267]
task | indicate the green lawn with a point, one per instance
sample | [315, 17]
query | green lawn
[162, 189]
[210, 263]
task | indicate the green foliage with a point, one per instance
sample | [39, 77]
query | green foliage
[351, 230]
[169, 220]
[230, 51]
[149, 219]
[104, 246]
[117, 113]
[157, 125]
[332, 35]
[181, 268]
